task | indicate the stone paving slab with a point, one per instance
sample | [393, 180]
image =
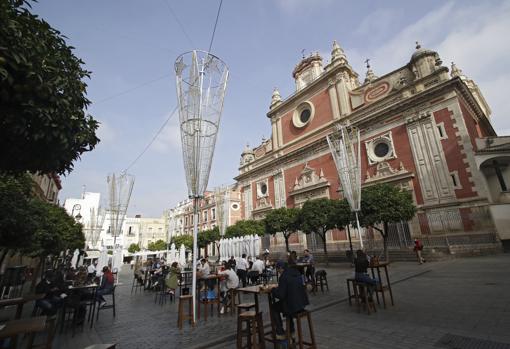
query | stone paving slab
[463, 297]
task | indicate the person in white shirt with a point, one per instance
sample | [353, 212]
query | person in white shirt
[242, 267]
[91, 270]
[231, 282]
[204, 268]
[258, 265]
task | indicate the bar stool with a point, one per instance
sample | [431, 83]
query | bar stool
[321, 280]
[350, 286]
[254, 328]
[181, 317]
[230, 306]
[242, 307]
[302, 343]
[361, 293]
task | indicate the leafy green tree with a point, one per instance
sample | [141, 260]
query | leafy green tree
[186, 240]
[245, 227]
[133, 248]
[317, 217]
[16, 221]
[43, 125]
[207, 237]
[383, 204]
[283, 220]
[158, 245]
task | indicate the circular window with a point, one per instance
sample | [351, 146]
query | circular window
[381, 149]
[303, 114]
[235, 206]
[263, 189]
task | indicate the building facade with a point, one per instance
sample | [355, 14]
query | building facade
[418, 123]
[47, 187]
[220, 204]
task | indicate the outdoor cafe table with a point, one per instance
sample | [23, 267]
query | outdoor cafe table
[377, 267]
[92, 288]
[256, 290]
[14, 328]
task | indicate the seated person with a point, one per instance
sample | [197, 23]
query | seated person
[361, 263]
[291, 295]
[53, 295]
[256, 270]
[171, 278]
[231, 281]
[105, 287]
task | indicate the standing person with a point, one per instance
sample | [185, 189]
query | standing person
[418, 247]
[310, 269]
[91, 270]
[292, 297]
[232, 263]
[231, 282]
[105, 287]
[242, 267]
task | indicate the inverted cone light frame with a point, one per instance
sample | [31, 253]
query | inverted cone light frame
[120, 188]
[201, 81]
[344, 144]
[95, 226]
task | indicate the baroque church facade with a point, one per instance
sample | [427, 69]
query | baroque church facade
[418, 123]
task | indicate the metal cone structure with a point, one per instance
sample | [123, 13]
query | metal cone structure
[201, 80]
[119, 190]
[222, 208]
[93, 231]
[344, 145]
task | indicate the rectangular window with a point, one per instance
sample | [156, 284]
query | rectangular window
[205, 216]
[279, 191]
[248, 205]
[213, 213]
[455, 180]
[441, 131]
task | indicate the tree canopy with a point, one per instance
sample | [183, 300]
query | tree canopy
[245, 227]
[133, 248]
[44, 126]
[282, 220]
[186, 240]
[317, 217]
[382, 204]
[158, 245]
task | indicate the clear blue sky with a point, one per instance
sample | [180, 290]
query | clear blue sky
[128, 43]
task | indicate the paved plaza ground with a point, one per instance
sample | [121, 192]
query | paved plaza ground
[459, 303]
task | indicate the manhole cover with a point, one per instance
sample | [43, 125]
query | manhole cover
[452, 341]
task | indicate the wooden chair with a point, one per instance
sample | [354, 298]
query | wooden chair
[254, 328]
[51, 329]
[102, 346]
[301, 342]
[182, 316]
[137, 284]
[242, 307]
[110, 306]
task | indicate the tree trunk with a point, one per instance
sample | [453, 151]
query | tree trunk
[323, 237]
[286, 237]
[385, 242]
[4, 252]
[37, 271]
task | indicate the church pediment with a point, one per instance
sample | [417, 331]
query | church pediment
[385, 172]
[309, 180]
